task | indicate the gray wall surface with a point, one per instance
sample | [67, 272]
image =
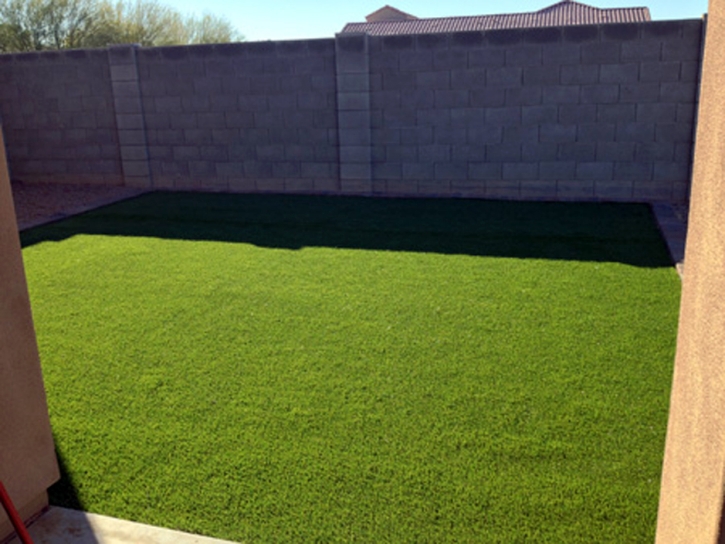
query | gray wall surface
[594, 112]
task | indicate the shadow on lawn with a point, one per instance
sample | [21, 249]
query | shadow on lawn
[623, 233]
[63, 492]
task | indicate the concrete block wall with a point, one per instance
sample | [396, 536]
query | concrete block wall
[241, 117]
[58, 115]
[583, 112]
[592, 112]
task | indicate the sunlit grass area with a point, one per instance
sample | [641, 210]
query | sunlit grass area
[297, 369]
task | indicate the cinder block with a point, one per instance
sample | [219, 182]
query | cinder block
[595, 171]
[600, 94]
[557, 170]
[577, 152]
[652, 192]
[450, 59]
[674, 132]
[641, 50]
[214, 153]
[466, 153]
[656, 113]
[434, 153]
[286, 169]
[639, 93]
[689, 71]
[451, 99]
[503, 152]
[379, 100]
[135, 168]
[485, 134]
[195, 136]
[418, 171]
[506, 116]
[520, 171]
[486, 57]
[580, 33]
[681, 49]
[316, 170]
[616, 113]
[621, 31]
[617, 190]
[577, 113]
[401, 81]
[541, 75]
[450, 135]
[269, 185]
[351, 101]
[416, 136]
[521, 135]
[210, 121]
[523, 55]
[351, 53]
[561, 94]
[467, 117]
[678, 92]
[387, 170]
[353, 171]
[538, 152]
[538, 189]
[133, 153]
[418, 99]
[229, 169]
[329, 185]
[124, 72]
[402, 187]
[474, 78]
[574, 190]
[489, 98]
[577, 74]
[415, 61]
[683, 152]
[485, 171]
[524, 96]
[506, 37]
[253, 103]
[654, 151]
[671, 171]
[659, 71]
[634, 171]
[535, 115]
[257, 169]
[543, 35]
[434, 188]
[607, 52]
[619, 73]
[556, 133]
[129, 121]
[401, 153]
[397, 118]
[299, 185]
[311, 100]
[357, 119]
[635, 132]
[615, 151]
[564, 54]
[440, 80]
[353, 82]
[347, 154]
[448, 171]
[509, 76]
[132, 137]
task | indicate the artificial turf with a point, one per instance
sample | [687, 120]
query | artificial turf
[298, 369]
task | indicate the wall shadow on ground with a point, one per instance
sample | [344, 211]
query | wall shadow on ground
[63, 492]
[603, 232]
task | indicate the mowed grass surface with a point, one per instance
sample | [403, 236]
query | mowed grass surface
[299, 369]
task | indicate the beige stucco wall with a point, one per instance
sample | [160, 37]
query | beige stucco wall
[693, 480]
[27, 459]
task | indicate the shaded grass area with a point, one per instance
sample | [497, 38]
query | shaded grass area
[270, 369]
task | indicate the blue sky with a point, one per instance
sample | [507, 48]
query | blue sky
[302, 19]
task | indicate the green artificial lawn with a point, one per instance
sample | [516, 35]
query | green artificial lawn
[303, 369]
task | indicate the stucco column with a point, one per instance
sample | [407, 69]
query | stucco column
[693, 479]
[27, 457]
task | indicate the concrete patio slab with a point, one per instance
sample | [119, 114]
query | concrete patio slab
[64, 526]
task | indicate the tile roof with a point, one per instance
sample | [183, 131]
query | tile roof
[566, 12]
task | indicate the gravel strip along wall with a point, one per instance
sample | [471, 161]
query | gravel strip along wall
[592, 112]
